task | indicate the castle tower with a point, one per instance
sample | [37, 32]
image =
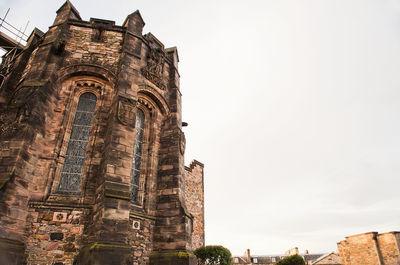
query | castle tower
[92, 149]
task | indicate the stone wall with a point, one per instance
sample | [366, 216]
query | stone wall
[84, 44]
[329, 259]
[389, 247]
[55, 233]
[194, 198]
[370, 249]
[102, 220]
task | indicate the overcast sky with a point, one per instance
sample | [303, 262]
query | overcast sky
[293, 106]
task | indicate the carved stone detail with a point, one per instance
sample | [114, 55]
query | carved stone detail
[154, 68]
[146, 103]
[126, 111]
[88, 83]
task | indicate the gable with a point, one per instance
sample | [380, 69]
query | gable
[330, 259]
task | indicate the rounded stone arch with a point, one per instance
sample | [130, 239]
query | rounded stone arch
[95, 78]
[71, 83]
[155, 110]
[152, 97]
[86, 70]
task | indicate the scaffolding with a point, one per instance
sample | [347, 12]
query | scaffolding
[12, 42]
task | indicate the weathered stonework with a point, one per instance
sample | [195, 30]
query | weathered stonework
[370, 249]
[329, 259]
[92, 150]
[194, 192]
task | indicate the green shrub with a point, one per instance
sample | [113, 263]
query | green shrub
[213, 255]
[292, 260]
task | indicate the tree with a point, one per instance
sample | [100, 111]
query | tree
[292, 260]
[213, 255]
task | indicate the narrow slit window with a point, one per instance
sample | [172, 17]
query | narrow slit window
[137, 155]
[72, 170]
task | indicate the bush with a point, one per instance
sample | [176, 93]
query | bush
[213, 255]
[292, 260]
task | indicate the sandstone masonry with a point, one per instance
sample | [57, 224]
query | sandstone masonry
[370, 249]
[92, 149]
[194, 194]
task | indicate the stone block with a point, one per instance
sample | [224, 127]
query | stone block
[173, 257]
[56, 236]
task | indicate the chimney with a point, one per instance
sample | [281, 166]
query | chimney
[293, 251]
[247, 256]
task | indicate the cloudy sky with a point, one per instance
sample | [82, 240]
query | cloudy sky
[293, 106]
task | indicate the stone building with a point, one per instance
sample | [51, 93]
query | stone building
[328, 259]
[92, 149]
[370, 249]
[249, 259]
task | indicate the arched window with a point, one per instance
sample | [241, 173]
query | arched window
[137, 155]
[72, 170]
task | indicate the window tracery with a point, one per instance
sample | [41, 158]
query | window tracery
[71, 173]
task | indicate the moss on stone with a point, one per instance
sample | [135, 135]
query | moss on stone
[173, 253]
[97, 245]
[118, 194]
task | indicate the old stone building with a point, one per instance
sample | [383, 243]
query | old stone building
[328, 259]
[370, 249]
[92, 149]
[250, 259]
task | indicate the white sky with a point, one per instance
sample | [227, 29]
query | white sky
[292, 105]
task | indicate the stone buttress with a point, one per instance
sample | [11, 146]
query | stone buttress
[92, 149]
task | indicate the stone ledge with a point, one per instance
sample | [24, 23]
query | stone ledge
[118, 194]
[58, 205]
[142, 215]
[105, 253]
[172, 257]
[106, 246]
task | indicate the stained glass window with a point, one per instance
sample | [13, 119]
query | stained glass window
[137, 155]
[71, 173]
